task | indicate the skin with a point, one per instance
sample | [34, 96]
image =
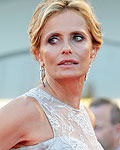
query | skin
[24, 122]
[107, 133]
[72, 41]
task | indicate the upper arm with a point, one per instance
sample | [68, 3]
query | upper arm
[92, 117]
[13, 118]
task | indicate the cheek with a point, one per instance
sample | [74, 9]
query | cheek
[84, 54]
[84, 49]
[101, 135]
[49, 55]
[105, 133]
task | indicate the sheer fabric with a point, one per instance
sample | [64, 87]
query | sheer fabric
[72, 128]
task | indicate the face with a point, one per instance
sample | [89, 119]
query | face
[66, 47]
[104, 130]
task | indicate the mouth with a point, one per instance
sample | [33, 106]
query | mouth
[68, 62]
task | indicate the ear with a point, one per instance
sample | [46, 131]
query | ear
[38, 56]
[118, 129]
[93, 54]
[116, 133]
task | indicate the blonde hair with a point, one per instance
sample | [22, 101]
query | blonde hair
[47, 8]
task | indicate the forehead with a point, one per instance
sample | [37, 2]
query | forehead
[102, 113]
[65, 21]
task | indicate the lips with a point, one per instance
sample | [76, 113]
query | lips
[68, 62]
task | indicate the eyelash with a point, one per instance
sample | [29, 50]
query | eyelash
[81, 37]
[54, 39]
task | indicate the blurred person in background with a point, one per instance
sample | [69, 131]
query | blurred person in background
[65, 37]
[107, 126]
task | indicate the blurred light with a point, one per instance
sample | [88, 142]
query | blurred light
[4, 102]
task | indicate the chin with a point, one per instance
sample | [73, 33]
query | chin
[68, 76]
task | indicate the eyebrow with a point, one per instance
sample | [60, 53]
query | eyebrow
[79, 32]
[58, 33]
[54, 34]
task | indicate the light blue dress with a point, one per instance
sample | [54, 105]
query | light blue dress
[72, 128]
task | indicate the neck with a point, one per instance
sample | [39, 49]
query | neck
[68, 91]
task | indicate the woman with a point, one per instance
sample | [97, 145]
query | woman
[65, 37]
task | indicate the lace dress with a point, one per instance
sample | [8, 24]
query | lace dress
[71, 127]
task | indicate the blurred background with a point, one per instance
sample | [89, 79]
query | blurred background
[19, 71]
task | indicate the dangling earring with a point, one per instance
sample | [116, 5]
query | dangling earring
[86, 76]
[42, 74]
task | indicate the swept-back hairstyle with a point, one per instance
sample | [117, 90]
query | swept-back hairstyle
[47, 8]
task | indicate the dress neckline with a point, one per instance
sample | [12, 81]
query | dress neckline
[57, 100]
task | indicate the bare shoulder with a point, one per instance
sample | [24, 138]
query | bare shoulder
[15, 118]
[21, 107]
[92, 116]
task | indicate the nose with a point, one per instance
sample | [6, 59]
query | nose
[66, 49]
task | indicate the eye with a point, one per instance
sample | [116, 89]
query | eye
[53, 39]
[77, 37]
[97, 127]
